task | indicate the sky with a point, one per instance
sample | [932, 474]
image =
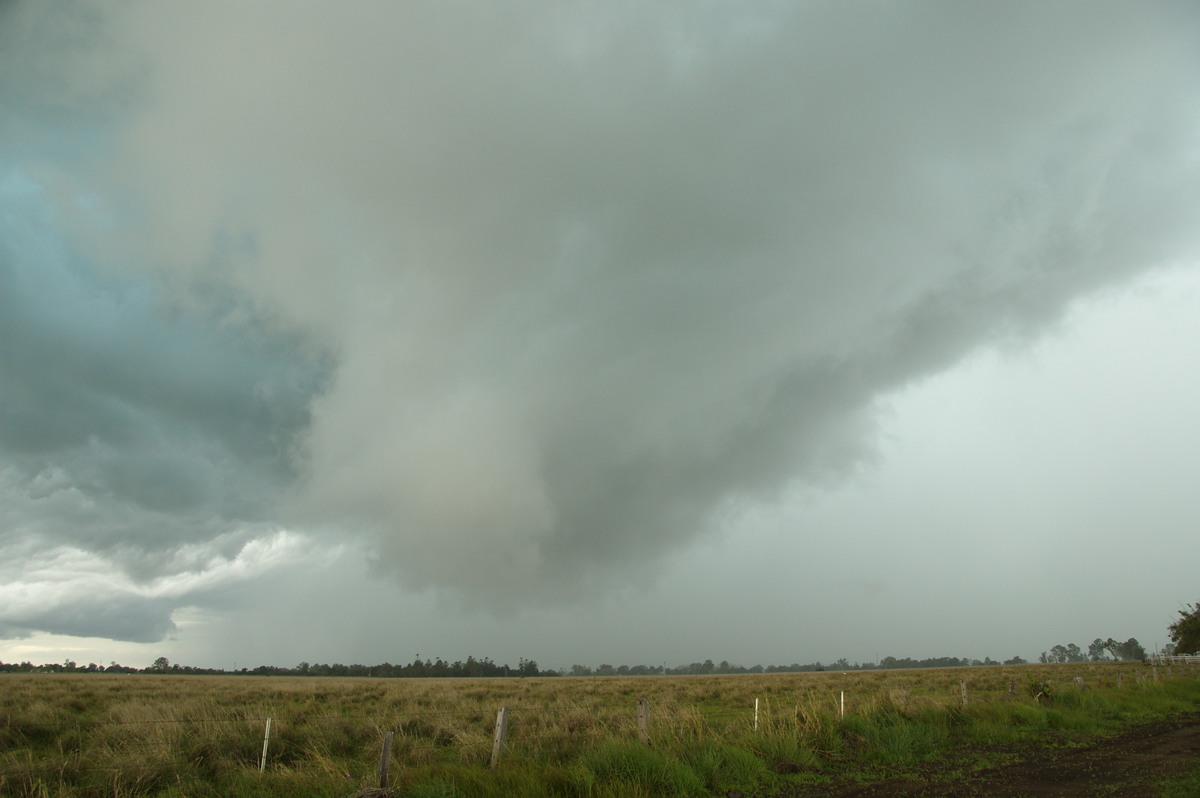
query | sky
[596, 332]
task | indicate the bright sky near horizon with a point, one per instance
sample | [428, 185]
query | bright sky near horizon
[596, 332]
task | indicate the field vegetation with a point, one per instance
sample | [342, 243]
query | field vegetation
[78, 735]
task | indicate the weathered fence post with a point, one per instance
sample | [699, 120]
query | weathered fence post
[962, 683]
[1012, 688]
[1120, 677]
[385, 760]
[501, 733]
[843, 704]
[643, 717]
[756, 714]
[262, 765]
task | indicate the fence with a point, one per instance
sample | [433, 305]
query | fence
[1189, 659]
[373, 744]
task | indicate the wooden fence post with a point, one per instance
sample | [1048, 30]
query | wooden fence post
[643, 717]
[262, 765]
[843, 705]
[385, 760]
[501, 734]
[1012, 688]
[756, 714]
[963, 686]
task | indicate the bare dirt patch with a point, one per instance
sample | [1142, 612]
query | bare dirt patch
[1132, 764]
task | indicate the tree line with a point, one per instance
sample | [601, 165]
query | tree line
[485, 667]
[1184, 634]
[1098, 651]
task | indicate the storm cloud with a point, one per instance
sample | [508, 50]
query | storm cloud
[530, 297]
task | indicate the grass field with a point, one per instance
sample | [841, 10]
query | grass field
[143, 735]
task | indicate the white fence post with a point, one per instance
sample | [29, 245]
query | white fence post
[262, 765]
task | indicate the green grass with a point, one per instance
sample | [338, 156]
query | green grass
[146, 736]
[1183, 787]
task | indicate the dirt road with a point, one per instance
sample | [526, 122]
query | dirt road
[1130, 765]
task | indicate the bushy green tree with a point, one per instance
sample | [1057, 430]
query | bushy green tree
[1130, 649]
[1185, 632]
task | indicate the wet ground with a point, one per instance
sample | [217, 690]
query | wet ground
[1133, 764]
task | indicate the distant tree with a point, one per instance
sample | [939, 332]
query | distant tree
[1185, 632]
[1018, 661]
[1097, 649]
[161, 665]
[1130, 649]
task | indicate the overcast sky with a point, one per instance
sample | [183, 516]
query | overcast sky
[596, 332]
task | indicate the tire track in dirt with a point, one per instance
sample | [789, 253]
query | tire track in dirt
[1131, 764]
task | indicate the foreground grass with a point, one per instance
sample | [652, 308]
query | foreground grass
[138, 735]
[1184, 787]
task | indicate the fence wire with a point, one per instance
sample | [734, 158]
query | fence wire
[467, 733]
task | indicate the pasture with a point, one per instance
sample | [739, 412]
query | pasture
[146, 735]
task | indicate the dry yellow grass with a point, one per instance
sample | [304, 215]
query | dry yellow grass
[100, 734]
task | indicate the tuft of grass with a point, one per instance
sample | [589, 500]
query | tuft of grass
[723, 767]
[784, 754]
[630, 765]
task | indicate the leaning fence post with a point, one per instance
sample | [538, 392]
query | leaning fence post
[262, 765]
[385, 760]
[643, 716]
[501, 733]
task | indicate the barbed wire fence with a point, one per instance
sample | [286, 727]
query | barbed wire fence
[349, 741]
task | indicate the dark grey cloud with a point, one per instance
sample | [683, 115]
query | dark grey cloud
[117, 617]
[123, 424]
[585, 277]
